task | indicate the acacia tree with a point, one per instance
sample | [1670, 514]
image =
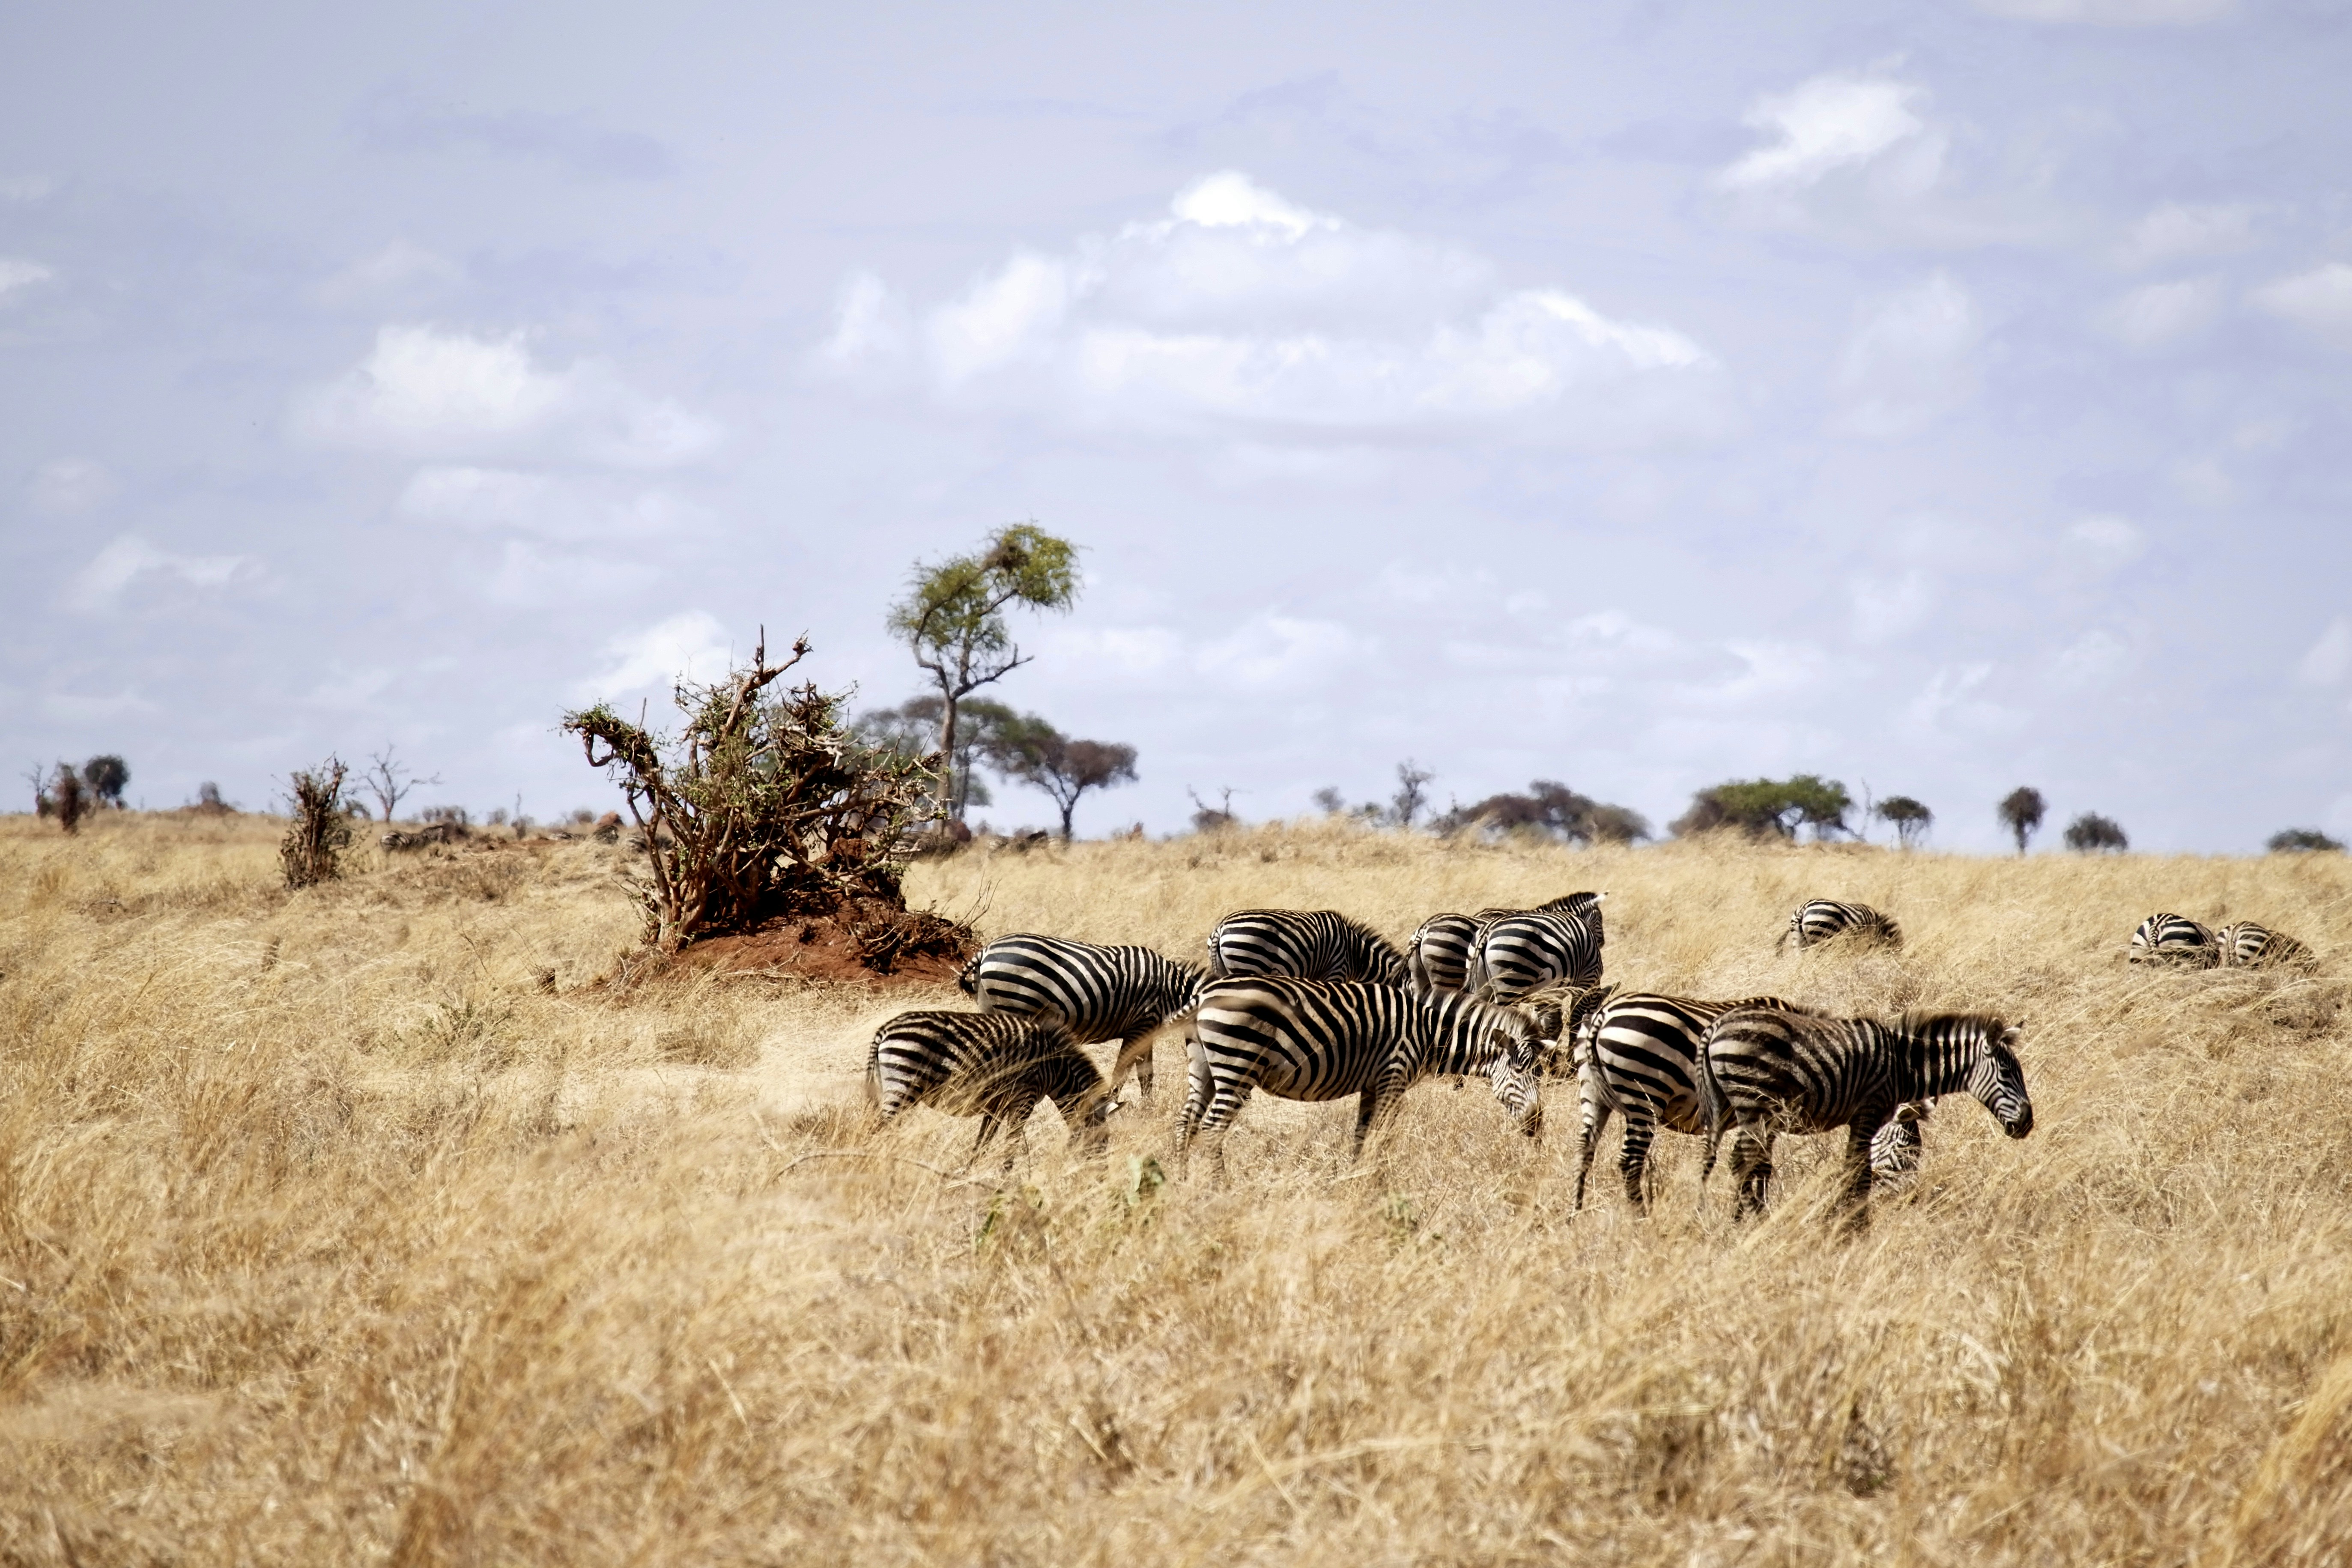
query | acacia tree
[953, 620]
[107, 776]
[2020, 812]
[1410, 797]
[1760, 807]
[1041, 756]
[390, 780]
[2091, 832]
[912, 729]
[1911, 819]
[1553, 809]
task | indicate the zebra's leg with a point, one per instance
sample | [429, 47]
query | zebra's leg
[1855, 1200]
[1588, 1140]
[1375, 1108]
[1198, 1089]
[1752, 1167]
[1134, 1056]
[1634, 1158]
[1231, 1095]
[988, 1126]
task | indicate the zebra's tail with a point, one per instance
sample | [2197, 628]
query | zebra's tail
[1713, 1107]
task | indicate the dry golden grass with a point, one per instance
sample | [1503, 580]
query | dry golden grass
[329, 1232]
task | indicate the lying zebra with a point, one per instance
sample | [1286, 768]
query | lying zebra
[1824, 920]
[1313, 1040]
[994, 1065]
[2167, 938]
[1765, 1072]
[1126, 994]
[2246, 945]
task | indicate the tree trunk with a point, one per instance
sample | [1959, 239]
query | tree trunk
[945, 794]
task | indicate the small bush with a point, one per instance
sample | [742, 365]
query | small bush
[310, 853]
[2091, 832]
[2303, 841]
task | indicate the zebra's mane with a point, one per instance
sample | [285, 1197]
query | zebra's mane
[1916, 1025]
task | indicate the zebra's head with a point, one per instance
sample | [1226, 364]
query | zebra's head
[1517, 1073]
[1998, 1082]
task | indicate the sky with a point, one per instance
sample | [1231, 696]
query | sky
[1939, 397]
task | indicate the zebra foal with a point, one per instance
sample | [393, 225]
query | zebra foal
[994, 1065]
[1438, 956]
[1516, 953]
[2165, 938]
[2246, 945]
[1764, 1072]
[1310, 944]
[1103, 994]
[1316, 1041]
[1822, 919]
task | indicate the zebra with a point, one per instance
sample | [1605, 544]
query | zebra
[1438, 956]
[2174, 939]
[994, 1065]
[1820, 919]
[1316, 1041]
[1764, 1072]
[1638, 1056]
[1309, 944]
[1519, 952]
[2246, 945]
[1106, 993]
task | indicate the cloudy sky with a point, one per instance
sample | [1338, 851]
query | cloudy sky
[1937, 396]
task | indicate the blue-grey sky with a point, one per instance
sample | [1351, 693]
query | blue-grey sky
[1939, 397]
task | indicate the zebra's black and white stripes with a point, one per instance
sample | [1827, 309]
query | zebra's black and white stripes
[1516, 953]
[2167, 938]
[2245, 945]
[1305, 1040]
[1765, 1072]
[1123, 993]
[1822, 919]
[994, 1065]
[1310, 944]
[1438, 957]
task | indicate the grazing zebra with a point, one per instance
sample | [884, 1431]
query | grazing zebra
[1638, 1056]
[2174, 939]
[1307, 1039]
[1519, 952]
[1309, 944]
[994, 1065]
[2246, 945]
[1765, 1072]
[1438, 956]
[1822, 918]
[1123, 993]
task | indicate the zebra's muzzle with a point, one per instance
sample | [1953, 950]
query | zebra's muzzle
[2021, 1125]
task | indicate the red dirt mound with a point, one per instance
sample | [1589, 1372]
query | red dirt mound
[876, 945]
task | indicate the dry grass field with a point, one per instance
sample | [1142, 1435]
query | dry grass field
[361, 1225]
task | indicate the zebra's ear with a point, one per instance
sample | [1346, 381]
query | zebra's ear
[2013, 1037]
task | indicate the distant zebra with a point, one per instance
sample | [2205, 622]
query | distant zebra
[1823, 918]
[1310, 944]
[1637, 1055]
[2246, 945]
[1438, 956]
[1306, 1039]
[1123, 993]
[1765, 1072]
[994, 1065]
[1516, 953]
[2174, 939]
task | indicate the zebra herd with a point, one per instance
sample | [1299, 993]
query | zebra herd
[1316, 1005]
[2167, 938]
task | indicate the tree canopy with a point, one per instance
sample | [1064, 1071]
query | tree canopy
[1033, 751]
[1550, 808]
[2091, 832]
[2301, 840]
[1773, 807]
[1911, 819]
[2020, 812]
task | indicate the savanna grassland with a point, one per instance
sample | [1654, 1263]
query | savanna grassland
[375, 1223]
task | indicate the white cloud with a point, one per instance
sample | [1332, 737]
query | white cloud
[2092, 661]
[2178, 229]
[1274, 651]
[1829, 123]
[2330, 656]
[2163, 314]
[2106, 541]
[2319, 300]
[428, 393]
[1948, 702]
[17, 273]
[66, 485]
[115, 568]
[1246, 319]
[1884, 608]
[400, 274]
[2113, 13]
[556, 507]
[1911, 359]
[689, 647]
[27, 187]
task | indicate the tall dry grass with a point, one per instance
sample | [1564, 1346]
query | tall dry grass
[354, 1225]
